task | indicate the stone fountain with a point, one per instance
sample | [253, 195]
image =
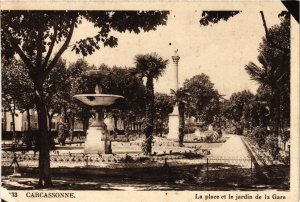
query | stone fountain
[97, 134]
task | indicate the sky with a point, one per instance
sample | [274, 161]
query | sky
[221, 50]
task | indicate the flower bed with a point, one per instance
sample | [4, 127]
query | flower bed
[205, 137]
[264, 155]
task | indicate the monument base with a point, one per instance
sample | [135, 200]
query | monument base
[95, 141]
[173, 127]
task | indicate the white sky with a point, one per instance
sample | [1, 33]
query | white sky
[221, 51]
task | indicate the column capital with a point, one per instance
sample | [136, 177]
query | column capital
[175, 59]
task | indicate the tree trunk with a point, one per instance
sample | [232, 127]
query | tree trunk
[126, 128]
[115, 126]
[62, 128]
[181, 123]
[72, 127]
[4, 128]
[84, 126]
[161, 128]
[44, 156]
[115, 123]
[29, 138]
[13, 122]
[12, 112]
[149, 116]
[50, 117]
[274, 113]
[51, 137]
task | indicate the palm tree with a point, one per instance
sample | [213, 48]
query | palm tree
[269, 76]
[150, 66]
[181, 96]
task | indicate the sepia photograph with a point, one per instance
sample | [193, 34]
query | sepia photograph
[184, 98]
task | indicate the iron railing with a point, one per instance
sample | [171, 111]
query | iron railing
[213, 169]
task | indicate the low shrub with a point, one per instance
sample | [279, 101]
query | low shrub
[192, 155]
[272, 146]
[127, 159]
[284, 157]
[260, 135]
[239, 130]
[230, 130]
[211, 136]
[207, 136]
[189, 129]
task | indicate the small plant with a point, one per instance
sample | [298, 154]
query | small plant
[128, 159]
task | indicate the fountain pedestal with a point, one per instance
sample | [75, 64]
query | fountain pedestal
[97, 140]
[174, 124]
[97, 136]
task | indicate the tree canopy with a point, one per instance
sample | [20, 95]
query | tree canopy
[17, 88]
[204, 101]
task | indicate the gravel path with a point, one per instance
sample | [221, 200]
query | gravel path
[233, 147]
[233, 151]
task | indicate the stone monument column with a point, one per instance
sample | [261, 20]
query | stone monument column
[174, 116]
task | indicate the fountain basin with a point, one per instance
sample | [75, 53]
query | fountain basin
[97, 99]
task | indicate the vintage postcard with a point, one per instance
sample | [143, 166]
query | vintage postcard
[150, 101]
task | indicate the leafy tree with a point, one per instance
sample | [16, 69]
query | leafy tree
[204, 103]
[235, 109]
[150, 66]
[124, 82]
[35, 35]
[17, 91]
[274, 73]
[22, 91]
[163, 106]
[79, 84]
